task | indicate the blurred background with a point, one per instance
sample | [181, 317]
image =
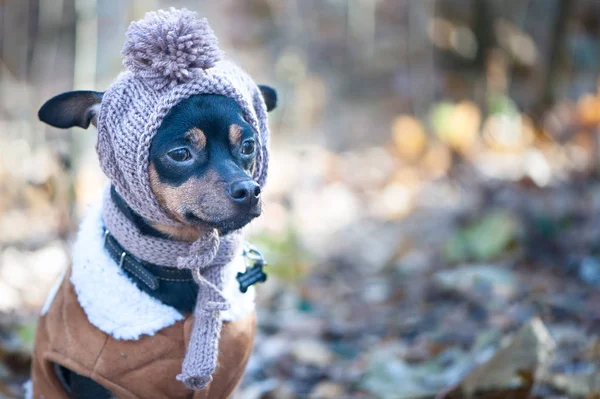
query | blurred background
[432, 218]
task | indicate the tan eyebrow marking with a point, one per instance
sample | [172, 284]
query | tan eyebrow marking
[197, 138]
[235, 134]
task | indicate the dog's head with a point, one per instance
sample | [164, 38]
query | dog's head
[201, 158]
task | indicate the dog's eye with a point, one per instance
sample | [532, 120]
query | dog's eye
[248, 147]
[180, 154]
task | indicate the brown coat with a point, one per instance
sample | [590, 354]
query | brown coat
[145, 368]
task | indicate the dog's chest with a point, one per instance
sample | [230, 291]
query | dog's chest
[117, 306]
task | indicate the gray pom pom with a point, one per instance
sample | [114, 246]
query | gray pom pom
[170, 47]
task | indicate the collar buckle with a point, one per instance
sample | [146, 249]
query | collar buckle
[133, 266]
[123, 254]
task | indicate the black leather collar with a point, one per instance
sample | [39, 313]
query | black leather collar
[172, 286]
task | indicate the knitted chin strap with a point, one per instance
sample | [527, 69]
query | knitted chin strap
[206, 258]
[208, 255]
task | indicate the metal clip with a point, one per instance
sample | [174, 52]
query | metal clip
[122, 259]
[252, 255]
[106, 233]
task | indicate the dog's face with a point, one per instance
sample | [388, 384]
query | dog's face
[201, 164]
[201, 158]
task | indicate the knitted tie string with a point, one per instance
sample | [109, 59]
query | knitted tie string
[202, 254]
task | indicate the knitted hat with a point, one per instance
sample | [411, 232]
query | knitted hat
[170, 56]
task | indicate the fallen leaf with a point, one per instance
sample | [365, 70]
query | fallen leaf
[457, 124]
[526, 354]
[484, 239]
[409, 137]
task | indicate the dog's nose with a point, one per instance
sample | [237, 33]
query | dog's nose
[245, 192]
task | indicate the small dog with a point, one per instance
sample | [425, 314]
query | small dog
[121, 321]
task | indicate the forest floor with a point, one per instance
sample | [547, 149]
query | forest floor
[496, 298]
[484, 287]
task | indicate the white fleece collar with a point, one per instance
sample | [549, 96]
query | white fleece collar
[115, 305]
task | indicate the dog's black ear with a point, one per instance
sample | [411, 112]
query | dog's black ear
[269, 95]
[73, 108]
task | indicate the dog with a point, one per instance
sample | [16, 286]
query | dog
[118, 325]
